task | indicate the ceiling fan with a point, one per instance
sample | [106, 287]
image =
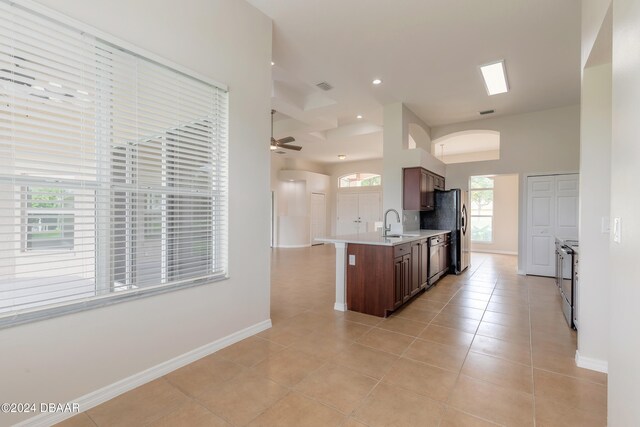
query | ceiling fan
[282, 142]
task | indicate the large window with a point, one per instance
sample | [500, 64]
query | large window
[481, 192]
[360, 180]
[113, 171]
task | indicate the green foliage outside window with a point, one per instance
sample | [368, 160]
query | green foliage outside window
[481, 192]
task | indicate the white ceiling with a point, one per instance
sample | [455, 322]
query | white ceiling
[426, 51]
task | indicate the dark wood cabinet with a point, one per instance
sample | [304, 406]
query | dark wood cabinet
[419, 187]
[424, 264]
[382, 278]
[399, 272]
[439, 257]
[406, 278]
[414, 280]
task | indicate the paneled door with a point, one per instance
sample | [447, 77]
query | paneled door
[552, 211]
[358, 212]
[318, 218]
[369, 211]
[347, 212]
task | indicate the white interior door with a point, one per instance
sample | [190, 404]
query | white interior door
[552, 211]
[347, 214]
[540, 225]
[369, 211]
[318, 217]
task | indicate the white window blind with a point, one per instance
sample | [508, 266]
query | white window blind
[113, 172]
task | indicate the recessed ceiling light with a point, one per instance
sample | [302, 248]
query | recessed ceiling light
[495, 77]
[273, 63]
[359, 116]
[377, 81]
[342, 156]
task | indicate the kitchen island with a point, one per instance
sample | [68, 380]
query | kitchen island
[377, 274]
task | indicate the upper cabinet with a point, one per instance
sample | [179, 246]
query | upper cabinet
[419, 188]
[438, 182]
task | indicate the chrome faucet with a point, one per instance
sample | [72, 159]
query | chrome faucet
[387, 228]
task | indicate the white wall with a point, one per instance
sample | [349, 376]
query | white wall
[505, 217]
[538, 142]
[478, 156]
[399, 121]
[593, 13]
[542, 141]
[61, 359]
[595, 190]
[624, 349]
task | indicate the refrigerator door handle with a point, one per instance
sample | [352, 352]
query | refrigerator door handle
[464, 220]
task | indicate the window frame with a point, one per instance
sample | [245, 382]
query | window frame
[27, 210]
[104, 296]
[373, 175]
[471, 215]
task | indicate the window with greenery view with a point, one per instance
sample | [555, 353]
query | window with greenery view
[49, 219]
[113, 172]
[481, 192]
[360, 180]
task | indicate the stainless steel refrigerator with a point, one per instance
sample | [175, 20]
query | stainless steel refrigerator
[452, 213]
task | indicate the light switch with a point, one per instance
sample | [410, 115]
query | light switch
[352, 260]
[617, 225]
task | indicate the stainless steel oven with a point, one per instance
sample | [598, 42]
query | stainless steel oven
[565, 279]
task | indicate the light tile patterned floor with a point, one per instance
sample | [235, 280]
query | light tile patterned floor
[485, 348]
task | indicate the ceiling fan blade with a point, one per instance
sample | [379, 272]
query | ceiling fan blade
[286, 140]
[290, 147]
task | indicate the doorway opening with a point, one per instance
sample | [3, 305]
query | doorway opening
[494, 213]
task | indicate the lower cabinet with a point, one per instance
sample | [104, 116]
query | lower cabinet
[424, 264]
[401, 266]
[416, 266]
[445, 256]
[439, 257]
[382, 278]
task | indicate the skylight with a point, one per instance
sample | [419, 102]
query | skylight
[495, 77]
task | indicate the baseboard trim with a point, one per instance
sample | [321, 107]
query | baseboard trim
[104, 394]
[591, 363]
[294, 246]
[340, 307]
[491, 251]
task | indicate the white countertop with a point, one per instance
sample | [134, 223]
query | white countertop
[375, 237]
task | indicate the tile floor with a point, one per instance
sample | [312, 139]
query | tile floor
[485, 348]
